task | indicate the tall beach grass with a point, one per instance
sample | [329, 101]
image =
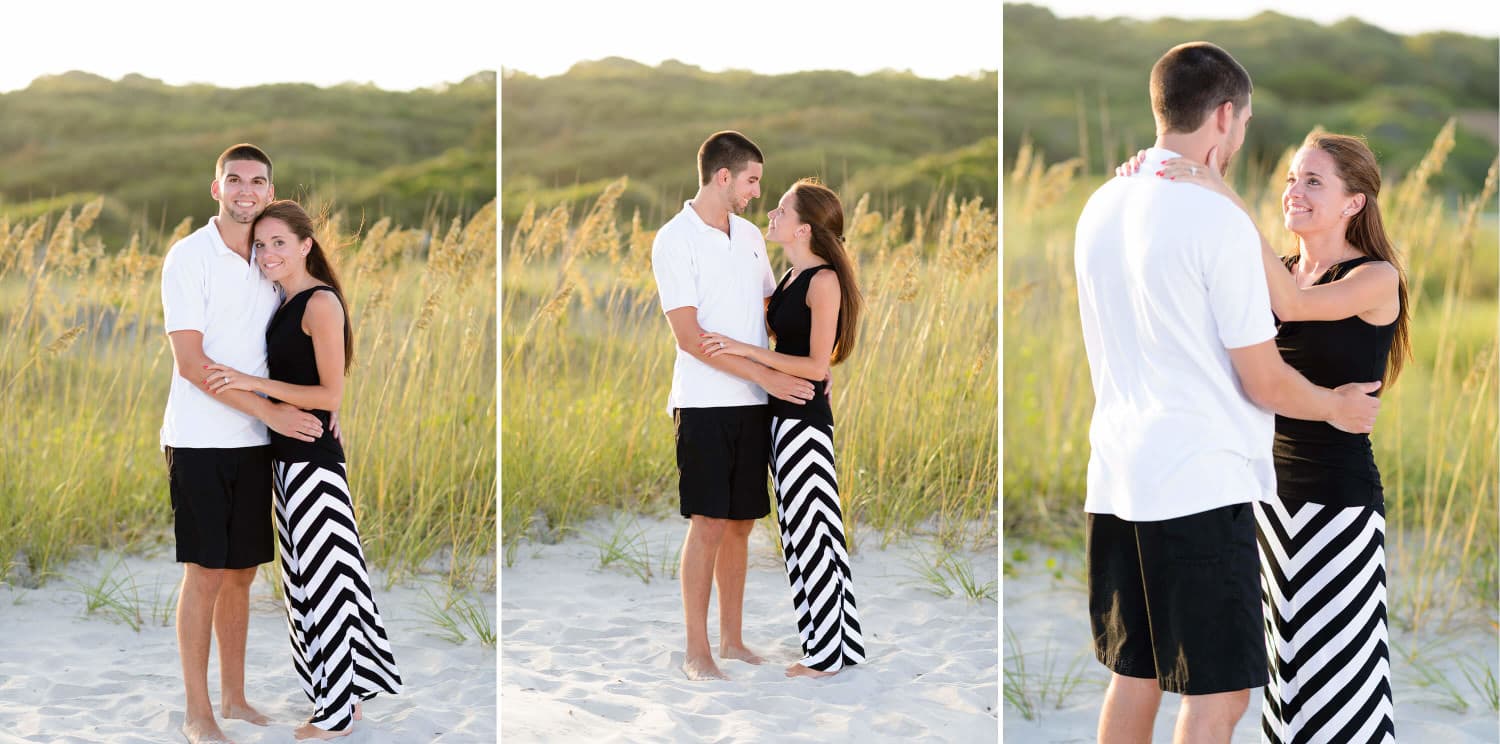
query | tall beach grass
[85, 368]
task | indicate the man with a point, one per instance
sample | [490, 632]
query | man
[1180, 339]
[712, 273]
[217, 306]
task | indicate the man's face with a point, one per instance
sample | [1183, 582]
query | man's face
[243, 190]
[743, 187]
[1234, 139]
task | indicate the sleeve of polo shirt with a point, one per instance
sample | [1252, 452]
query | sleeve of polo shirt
[673, 268]
[768, 280]
[1236, 282]
[183, 300]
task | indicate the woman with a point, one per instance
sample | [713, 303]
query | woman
[1341, 308]
[338, 639]
[813, 315]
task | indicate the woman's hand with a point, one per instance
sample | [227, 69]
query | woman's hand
[222, 378]
[717, 344]
[1131, 166]
[1206, 175]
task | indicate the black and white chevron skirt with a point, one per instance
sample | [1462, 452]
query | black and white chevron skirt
[812, 540]
[1323, 594]
[339, 645]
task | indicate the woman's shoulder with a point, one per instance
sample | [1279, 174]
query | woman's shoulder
[322, 302]
[824, 281]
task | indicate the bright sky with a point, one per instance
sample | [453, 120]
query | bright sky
[932, 38]
[396, 45]
[1397, 17]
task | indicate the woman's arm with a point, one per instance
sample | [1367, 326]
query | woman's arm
[324, 322]
[823, 296]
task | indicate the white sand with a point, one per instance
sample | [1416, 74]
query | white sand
[67, 677]
[1049, 619]
[594, 655]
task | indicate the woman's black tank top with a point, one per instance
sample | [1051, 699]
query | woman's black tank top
[790, 320]
[290, 359]
[1314, 461]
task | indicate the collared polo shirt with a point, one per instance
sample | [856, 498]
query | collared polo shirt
[727, 278]
[207, 287]
[1169, 279]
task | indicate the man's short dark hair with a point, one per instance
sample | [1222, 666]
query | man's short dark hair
[726, 149]
[242, 151]
[1191, 80]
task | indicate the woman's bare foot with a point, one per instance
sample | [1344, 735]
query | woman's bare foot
[309, 731]
[702, 668]
[797, 670]
[741, 653]
[244, 712]
[204, 732]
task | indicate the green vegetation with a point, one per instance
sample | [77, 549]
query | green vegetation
[904, 140]
[1079, 86]
[149, 148]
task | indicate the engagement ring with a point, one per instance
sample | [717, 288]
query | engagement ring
[1193, 170]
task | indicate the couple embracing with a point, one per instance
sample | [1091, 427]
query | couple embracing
[261, 340]
[740, 406]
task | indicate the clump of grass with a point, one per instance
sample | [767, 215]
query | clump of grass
[116, 598]
[626, 548]
[81, 331]
[945, 574]
[1030, 690]
[456, 617]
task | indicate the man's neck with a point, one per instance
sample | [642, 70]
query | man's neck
[711, 211]
[234, 234]
[1194, 146]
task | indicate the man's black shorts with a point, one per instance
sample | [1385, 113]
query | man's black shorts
[221, 505]
[723, 456]
[1178, 600]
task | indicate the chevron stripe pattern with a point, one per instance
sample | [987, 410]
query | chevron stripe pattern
[812, 540]
[339, 644]
[1324, 599]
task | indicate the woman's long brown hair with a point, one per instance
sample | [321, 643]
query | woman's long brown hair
[817, 206]
[297, 219]
[1366, 231]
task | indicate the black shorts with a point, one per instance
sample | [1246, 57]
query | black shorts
[723, 458]
[221, 505]
[1178, 600]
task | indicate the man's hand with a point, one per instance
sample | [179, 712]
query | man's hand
[1356, 407]
[293, 422]
[828, 386]
[333, 423]
[786, 387]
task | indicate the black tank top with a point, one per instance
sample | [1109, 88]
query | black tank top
[790, 320]
[1314, 461]
[290, 359]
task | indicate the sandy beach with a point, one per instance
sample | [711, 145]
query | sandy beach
[1049, 662]
[68, 676]
[594, 655]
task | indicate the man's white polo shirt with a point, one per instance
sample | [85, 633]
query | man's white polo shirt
[207, 287]
[1169, 279]
[727, 278]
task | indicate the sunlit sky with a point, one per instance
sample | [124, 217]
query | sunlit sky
[1477, 18]
[395, 45]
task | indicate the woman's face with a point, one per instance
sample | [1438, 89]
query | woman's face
[784, 220]
[278, 250]
[1314, 199]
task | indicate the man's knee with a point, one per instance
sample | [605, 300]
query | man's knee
[202, 578]
[1220, 705]
[708, 530]
[740, 528]
[240, 578]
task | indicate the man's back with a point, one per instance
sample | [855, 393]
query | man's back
[1169, 278]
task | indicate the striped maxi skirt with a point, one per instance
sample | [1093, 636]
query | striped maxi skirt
[1324, 598]
[339, 644]
[812, 541]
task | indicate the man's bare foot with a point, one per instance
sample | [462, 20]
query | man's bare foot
[204, 732]
[703, 668]
[797, 670]
[309, 731]
[741, 653]
[244, 712]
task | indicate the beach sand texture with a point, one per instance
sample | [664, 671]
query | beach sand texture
[594, 655]
[68, 677]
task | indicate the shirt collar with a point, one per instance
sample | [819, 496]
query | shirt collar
[1154, 158]
[220, 247]
[698, 222]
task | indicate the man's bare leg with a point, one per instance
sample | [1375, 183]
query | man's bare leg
[1129, 711]
[231, 625]
[1210, 718]
[195, 617]
[729, 575]
[697, 571]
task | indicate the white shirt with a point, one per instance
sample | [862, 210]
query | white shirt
[207, 287]
[727, 278]
[1169, 279]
